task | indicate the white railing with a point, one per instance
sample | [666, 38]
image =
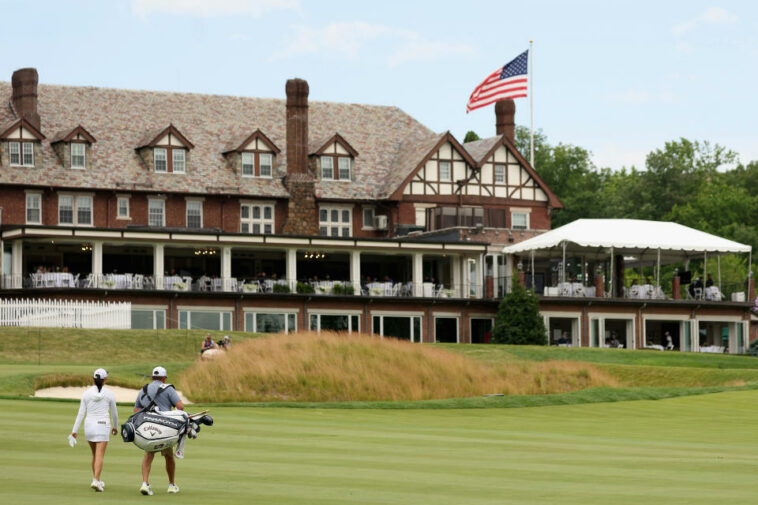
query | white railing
[66, 314]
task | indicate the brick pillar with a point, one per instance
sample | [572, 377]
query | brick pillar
[24, 95]
[676, 287]
[599, 286]
[504, 119]
[522, 278]
[751, 290]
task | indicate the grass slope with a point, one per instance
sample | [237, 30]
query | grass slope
[693, 450]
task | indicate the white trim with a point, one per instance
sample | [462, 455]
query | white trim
[339, 224]
[150, 307]
[165, 159]
[206, 308]
[520, 212]
[364, 208]
[261, 220]
[277, 312]
[75, 208]
[174, 152]
[335, 312]
[127, 198]
[395, 313]
[266, 310]
[187, 203]
[84, 156]
[28, 193]
[447, 315]
[162, 200]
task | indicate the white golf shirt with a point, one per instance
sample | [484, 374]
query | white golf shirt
[96, 404]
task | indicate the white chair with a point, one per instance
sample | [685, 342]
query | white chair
[75, 281]
[36, 280]
[90, 282]
[138, 281]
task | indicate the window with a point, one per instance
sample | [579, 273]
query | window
[78, 155]
[499, 174]
[520, 220]
[205, 320]
[194, 214]
[401, 327]
[446, 330]
[248, 164]
[335, 322]
[335, 221]
[327, 168]
[161, 163]
[21, 154]
[266, 322]
[178, 158]
[123, 207]
[267, 163]
[75, 210]
[444, 170]
[344, 168]
[257, 218]
[155, 214]
[33, 208]
[148, 319]
[368, 217]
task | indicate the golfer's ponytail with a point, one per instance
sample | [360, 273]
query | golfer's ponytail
[99, 384]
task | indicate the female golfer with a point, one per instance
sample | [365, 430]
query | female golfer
[96, 402]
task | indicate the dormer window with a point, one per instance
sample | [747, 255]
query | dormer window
[253, 155]
[166, 151]
[21, 141]
[73, 147]
[335, 158]
[78, 156]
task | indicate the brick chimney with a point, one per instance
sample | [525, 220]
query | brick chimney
[301, 211]
[504, 122]
[24, 97]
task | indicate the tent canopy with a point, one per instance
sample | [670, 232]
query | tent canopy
[594, 238]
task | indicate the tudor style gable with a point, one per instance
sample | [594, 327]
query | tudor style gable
[165, 151]
[74, 148]
[20, 144]
[441, 171]
[335, 158]
[253, 155]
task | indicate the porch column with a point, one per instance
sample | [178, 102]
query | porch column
[97, 263]
[226, 267]
[291, 268]
[355, 271]
[508, 272]
[455, 275]
[17, 264]
[418, 274]
[158, 266]
[466, 285]
[479, 291]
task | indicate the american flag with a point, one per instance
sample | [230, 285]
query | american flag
[509, 81]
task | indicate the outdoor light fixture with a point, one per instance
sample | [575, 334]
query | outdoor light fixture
[314, 255]
[87, 247]
[205, 251]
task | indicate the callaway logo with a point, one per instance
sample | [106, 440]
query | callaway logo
[152, 429]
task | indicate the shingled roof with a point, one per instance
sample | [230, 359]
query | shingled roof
[122, 119]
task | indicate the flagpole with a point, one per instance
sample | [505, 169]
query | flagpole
[531, 106]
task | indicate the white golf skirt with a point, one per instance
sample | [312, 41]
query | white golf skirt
[97, 430]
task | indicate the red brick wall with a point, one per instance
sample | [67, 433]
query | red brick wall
[13, 202]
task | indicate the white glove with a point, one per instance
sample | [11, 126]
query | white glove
[71, 440]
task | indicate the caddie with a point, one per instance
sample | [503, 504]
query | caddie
[164, 397]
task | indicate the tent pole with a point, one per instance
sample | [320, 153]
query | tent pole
[718, 265]
[532, 255]
[611, 276]
[658, 271]
[563, 265]
[705, 267]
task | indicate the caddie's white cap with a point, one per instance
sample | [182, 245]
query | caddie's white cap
[159, 371]
[100, 373]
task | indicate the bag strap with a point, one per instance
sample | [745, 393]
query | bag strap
[162, 388]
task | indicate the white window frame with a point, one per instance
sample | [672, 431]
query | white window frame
[251, 158]
[449, 165]
[182, 161]
[340, 225]
[157, 312]
[24, 145]
[520, 212]
[416, 339]
[347, 313]
[193, 202]
[442, 315]
[18, 147]
[222, 311]
[331, 168]
[83, 155]
[269, 164]
[38, 196]
[495, 178]
[119, 201]
[340, 168]
[164, 153]
[76, 204]
[364, 210]
[150, 202]
[261, 221]
[268, 312]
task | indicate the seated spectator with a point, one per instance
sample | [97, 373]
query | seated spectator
[208, 344]
[709, 281]
[564, 340]
[669, 341]
[696, 284]
[225, 343]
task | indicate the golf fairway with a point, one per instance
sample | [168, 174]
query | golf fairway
[689, 450]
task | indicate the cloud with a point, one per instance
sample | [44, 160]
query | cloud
[346, 38]
[614, 156]
[211, 8]
[712, 16]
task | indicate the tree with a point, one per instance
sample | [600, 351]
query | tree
[518, 319]
[470, 136]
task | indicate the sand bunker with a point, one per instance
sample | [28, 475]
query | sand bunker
[125, 395]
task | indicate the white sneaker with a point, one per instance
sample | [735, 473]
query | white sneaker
[100, 487]
[94, 485]
[173, 488]
[145, 489]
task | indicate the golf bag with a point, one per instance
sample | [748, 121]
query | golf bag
[152, 430]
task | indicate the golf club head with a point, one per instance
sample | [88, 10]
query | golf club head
[206, 420]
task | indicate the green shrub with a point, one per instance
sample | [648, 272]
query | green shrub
[338, 289]
[518, 319]
[304, 287]
[753, 349]
[281, 288]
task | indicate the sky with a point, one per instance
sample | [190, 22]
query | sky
[617, 78]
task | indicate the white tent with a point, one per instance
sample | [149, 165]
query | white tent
[594, 238]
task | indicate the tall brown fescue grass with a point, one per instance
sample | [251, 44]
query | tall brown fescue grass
[323, 367]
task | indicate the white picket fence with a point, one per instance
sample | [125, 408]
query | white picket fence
[66, 314]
